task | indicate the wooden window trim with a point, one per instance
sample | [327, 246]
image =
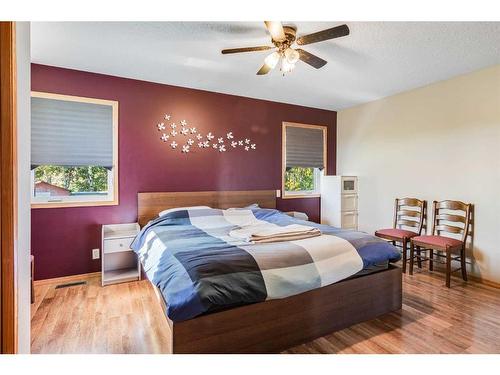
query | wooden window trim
[81, 99]
[8, 188]
[284, 195]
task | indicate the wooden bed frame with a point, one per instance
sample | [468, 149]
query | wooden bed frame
[275, 325]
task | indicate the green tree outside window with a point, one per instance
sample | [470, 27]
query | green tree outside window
[299, 179]
[74, 179]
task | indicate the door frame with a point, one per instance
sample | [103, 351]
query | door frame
[8, 189]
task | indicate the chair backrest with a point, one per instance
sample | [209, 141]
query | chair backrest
[410, 212]
[452, 217]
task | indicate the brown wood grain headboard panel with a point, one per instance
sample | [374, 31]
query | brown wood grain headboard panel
[151, 204]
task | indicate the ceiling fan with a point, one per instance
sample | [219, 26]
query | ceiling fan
[283, 38]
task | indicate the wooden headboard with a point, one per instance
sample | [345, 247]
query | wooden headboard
[151, 204]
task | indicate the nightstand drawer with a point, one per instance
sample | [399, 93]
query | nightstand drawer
[117, 245]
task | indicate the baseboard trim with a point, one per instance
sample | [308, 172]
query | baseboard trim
[66, 279]
[487, 282]
[438, 268]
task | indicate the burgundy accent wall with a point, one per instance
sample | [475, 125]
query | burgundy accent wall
[62, 238]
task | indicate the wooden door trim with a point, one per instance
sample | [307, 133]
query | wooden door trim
[8, 189]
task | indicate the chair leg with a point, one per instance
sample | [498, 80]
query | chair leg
[405, 249]
[419, 260]
[412, 255]
[462, 264]
[448, 268]
[431, 260]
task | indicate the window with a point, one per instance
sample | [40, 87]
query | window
[74, 151]
[304, 159]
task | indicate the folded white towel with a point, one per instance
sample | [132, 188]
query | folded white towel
[274, 233]
[288, 237]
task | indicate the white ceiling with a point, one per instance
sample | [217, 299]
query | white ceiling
[377, 59]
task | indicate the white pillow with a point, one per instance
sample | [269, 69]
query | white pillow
[252, 206]
[180, 209]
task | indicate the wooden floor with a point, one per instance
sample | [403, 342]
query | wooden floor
[126, 318]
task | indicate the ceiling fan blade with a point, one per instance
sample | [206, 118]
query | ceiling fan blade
[275, 28]
[264, 70]
[245, 49]
[334, 32]
[309, 58]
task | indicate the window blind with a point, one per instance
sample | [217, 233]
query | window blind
[304, 147]
[71, 134]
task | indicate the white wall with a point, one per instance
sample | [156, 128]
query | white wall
[24, 212]
[440, 141]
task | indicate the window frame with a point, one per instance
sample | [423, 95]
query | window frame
[303, 193]
[87, 200]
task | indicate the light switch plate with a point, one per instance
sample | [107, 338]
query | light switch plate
[95, 254]
[278, 193]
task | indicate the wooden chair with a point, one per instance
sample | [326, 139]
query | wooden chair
[452, 217]
[408, 213]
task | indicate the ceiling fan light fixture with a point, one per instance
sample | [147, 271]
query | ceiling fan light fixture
[286, 66]
[285, 36]
[292, 55]
[272, 60]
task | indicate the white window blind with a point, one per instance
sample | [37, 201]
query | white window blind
[304, 147]
[71, 134]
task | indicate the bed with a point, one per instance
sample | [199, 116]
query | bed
[224, 296]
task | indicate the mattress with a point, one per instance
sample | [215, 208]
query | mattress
[199, 268]
[372, 268]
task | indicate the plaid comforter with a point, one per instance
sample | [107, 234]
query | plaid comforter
[199, 268]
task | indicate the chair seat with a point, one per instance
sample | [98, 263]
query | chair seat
[437, 241]
[395, 233]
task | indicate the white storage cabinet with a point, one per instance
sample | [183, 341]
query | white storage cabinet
[339, 201]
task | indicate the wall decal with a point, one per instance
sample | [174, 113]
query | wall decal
[204, 142]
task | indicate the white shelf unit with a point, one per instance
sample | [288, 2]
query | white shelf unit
[119, 263]
[339, 201]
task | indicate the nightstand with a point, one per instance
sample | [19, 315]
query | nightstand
[119, 261]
